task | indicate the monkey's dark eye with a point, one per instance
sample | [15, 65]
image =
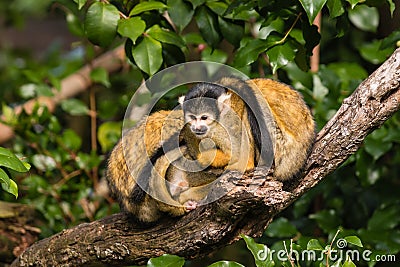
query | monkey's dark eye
[204, 117]
[192, 117]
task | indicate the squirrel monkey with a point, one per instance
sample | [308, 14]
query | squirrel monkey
[223, 125]
[238, 139]
[217, 131]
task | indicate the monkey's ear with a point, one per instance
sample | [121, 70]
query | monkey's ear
[181, 99]
[224, 99]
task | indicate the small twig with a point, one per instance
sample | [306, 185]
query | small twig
[290, 29]
[328, 253]
[289, 255]
[93, 130]
[67, 177]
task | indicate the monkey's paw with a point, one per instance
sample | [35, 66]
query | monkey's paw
[190, 205]
[206, 158]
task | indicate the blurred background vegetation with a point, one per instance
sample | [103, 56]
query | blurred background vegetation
[42, 42]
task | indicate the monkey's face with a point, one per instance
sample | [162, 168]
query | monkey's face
[200, 124]
[202, 114]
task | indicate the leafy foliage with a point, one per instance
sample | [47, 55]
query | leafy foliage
[8, 161]
[68, 148]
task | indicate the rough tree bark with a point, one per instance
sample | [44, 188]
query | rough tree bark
[16, 230]
[248, 207]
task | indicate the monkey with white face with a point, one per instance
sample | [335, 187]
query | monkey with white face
[202, 113]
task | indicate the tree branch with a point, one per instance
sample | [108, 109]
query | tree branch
[248, 207]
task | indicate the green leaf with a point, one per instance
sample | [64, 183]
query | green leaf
[43, 162]
[10, 161]
[74, 24]
[312, 8]
[226, 264]
[281, 228]
[215, 55]
[338, 263]
[27, 91]
[30, 90]
[311, 36]
[32, 76]
[71, 140]
[391, 40]
[8, 184]
[101, 23]
[54, 125]
[146, 6]
[354, 240]
[74, 107]
[180, 12]
[131, 27]
[80, 3]
[88, 161]
[366, 172]
[348, 263]
[314, 244]
[261, 252]
[4, 177]
[348, 73]
[301, 58]
[193, 38]
[218, 7]
[384, 218]
[44, 90]
[165, 36]
[353, 3]
[12, 188]
[231, 31]
[108, 135]
[272, 25]
[281, 55]
[166, 260]
[249, 51]
[365, 18]
[335, 7]
[208, 25]
[392, 6]
[375, 146]
[8, 115]
[100, 75]
[148, 55]
[143, 98]
[374, 53]
[319, 90]
[328, 220]
[300, 79]
[196, 3]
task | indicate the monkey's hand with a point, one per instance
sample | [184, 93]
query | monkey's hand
[190, 205]
[214, 157]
